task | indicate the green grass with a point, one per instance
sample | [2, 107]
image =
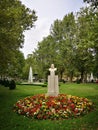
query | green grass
[11, 121]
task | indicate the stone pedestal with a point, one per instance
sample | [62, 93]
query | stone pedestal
[53, 89]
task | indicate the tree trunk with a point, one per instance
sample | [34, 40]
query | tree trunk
[82, 76]
[71, 76]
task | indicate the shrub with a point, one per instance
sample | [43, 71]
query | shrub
[12, 85]
[6, 83]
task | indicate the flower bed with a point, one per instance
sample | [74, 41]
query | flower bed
[49, 107]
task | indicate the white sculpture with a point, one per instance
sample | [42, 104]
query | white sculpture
[53, 89]
[52, 70]
[91, 77]
[30, 78]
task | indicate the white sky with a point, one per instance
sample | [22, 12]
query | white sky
[47, 11]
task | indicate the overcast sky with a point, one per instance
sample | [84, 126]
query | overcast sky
[47, 11]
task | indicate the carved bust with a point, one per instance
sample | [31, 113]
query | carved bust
[52, 70]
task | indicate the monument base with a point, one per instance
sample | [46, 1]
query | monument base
[53, 89]
[52, 94]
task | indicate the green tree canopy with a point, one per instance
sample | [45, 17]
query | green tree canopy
[92, 2]
[15, 18]
[71, 45]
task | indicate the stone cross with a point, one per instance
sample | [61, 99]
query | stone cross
[53, 89]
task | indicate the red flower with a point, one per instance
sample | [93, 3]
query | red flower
[50, 107]
[72, 105]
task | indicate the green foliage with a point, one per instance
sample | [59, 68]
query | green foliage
[15, 18]
[4, 82]
[93, 3]
[15, 69]
[30, 61]
[12, 85]
[71, 46]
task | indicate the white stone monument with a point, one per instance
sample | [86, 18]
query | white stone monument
[91, 77]
[53, 88]
[30, 78]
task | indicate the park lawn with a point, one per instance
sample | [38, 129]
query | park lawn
[12, 121]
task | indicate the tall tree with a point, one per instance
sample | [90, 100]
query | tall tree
[64, 34]
[69, 43]
[46, 54]
[56, 31]
[15, 70]
[84, 56]
[15, 18]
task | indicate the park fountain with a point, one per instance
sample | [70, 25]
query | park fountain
[30, 78]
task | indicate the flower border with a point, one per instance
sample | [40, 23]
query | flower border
[62, 106]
